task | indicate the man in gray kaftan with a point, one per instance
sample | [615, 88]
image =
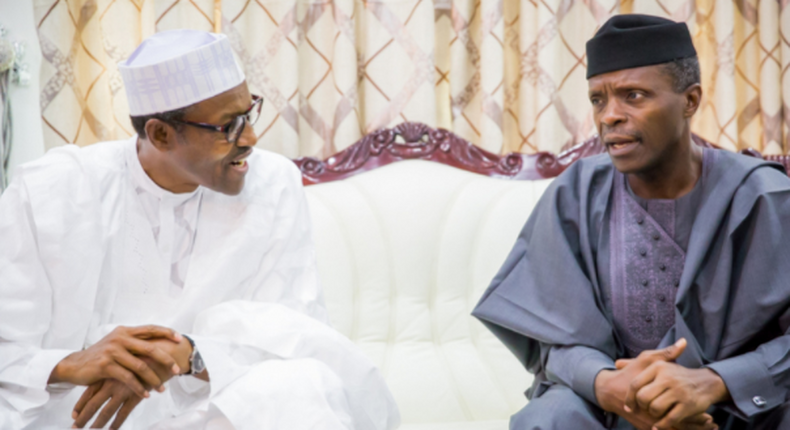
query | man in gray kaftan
[602, 273]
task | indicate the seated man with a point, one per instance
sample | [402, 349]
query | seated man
[649, 288]
[109, 253]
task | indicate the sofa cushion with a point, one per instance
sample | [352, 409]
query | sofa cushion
[404, 253]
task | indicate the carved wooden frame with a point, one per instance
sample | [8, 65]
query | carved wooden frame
[419, 141]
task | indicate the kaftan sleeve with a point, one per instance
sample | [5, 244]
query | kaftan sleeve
[751, 378]
[759, 380]
[544, 296]
[576, 367]
[25, 313]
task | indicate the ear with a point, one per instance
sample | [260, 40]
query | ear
[693, 98]
[161, 134]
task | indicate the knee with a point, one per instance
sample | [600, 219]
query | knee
[299, 375]
[558, 408]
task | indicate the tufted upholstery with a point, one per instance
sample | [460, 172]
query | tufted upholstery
[404, 253]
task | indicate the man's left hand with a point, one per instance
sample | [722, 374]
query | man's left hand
[671, 393]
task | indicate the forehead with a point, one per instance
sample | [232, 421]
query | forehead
[234, 101]
[647, 77]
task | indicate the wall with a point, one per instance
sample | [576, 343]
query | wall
[28, 141]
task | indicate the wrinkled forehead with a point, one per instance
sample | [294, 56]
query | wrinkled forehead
[645, 77]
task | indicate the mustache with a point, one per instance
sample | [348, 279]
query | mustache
[241, 153]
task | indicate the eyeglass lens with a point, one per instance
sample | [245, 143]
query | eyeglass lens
[251, 117]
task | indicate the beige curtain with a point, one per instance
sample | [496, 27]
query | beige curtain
[507, 75]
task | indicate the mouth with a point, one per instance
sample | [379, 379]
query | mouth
[240, 165]
[240, 162]
[621, 145]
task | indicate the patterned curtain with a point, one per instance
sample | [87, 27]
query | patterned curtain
[507, 75]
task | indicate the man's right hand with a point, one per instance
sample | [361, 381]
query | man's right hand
[115, 357]
[611, 387]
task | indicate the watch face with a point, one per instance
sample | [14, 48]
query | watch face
[197, 363]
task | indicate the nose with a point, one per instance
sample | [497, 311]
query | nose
[247, 137]
[612, 114]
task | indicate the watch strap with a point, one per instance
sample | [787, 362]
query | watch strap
[196, 364]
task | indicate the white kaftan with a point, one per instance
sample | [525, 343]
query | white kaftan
[87, 244]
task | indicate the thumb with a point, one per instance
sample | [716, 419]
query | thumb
[672, 352]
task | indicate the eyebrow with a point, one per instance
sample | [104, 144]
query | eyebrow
[620, 88]
[230, 115]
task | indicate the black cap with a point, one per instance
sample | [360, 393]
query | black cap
[628, 41]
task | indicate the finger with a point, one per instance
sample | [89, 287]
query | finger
[663, 404]
[701, 421]
[122, 375]
[148, 349]
[647, 394]
[702, 418]
[139, 368]
[695, 427]
[86, 395]
[645, 377]
[621, 363]
[672, 352]
[154, 332]
[672, 418]
[124, 412]
[92, 406]
[107, 412]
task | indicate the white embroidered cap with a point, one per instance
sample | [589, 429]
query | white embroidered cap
[178, 68]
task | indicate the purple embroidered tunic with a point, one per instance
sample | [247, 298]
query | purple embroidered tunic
[647, 242]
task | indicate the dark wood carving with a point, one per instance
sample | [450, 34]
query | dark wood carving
[781, 159]
[412, 140]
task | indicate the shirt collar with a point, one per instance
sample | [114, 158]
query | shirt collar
[143, 181]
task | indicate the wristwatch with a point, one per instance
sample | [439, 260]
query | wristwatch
[196, 364]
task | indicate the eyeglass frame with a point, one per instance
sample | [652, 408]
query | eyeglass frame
[257, 103]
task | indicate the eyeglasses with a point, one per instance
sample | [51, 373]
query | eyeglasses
[235, 127]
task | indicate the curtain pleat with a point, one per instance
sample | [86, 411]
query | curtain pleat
[507, 75]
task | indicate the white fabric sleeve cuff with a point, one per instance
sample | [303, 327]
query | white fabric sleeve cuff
[35, 390]
[750, 384]
[222, 369]
[43, 363]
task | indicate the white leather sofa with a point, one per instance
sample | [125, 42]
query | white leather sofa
[406, 250]
[404, 253]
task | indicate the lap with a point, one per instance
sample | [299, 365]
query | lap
[558, 408]
[300, 394]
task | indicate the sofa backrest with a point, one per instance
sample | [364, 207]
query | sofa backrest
[404, 253]
[406, 250]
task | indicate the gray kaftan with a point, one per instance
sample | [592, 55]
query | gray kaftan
[556, 309]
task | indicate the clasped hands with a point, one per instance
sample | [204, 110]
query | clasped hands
[652, 392]
[121, 369]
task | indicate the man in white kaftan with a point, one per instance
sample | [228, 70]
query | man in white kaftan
[93, 243]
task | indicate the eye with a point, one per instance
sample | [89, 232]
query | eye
[595, 101]
[634, 96]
